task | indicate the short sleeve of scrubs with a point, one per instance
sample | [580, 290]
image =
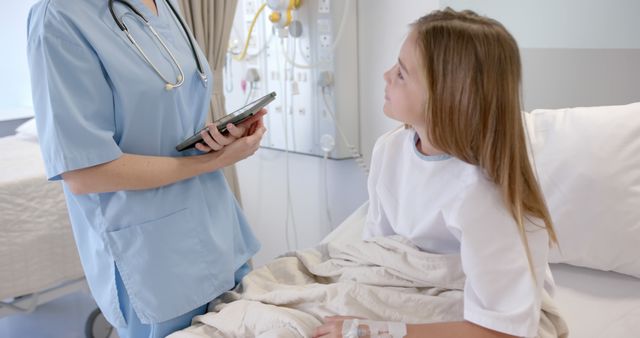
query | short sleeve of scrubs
[72, 97]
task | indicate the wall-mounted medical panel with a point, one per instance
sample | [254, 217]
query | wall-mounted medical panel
[312, 65]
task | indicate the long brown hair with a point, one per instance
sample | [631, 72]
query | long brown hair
[471, 65]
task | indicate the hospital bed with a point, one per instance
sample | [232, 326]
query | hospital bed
[598, 234]
[595, 304]
[38, 257]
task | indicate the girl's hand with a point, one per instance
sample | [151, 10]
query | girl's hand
[213, 140]
[332, 327]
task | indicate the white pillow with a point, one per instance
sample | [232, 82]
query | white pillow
[588, 162]
[28, 130]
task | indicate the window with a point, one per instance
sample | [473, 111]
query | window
[15, 88]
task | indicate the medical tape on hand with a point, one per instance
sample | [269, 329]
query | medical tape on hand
[351, 329]
[397, 330]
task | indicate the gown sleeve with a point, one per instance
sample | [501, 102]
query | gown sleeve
[377, 223]
[500, 292]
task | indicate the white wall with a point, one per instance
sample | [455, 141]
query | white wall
[263, 181]
[568, 77]
[383, 25]
[574, 52]
[15, 91]
[563, 24]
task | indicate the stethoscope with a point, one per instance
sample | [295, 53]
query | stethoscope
[168, 84]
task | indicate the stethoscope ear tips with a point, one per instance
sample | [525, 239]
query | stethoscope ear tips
[169, 87]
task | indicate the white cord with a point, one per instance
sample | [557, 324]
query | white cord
[286, 153]
[289, 203]
[291, 105]
[251, 86]
[343, 22]
[354, 151]
[293, 134]
[228, 72]
[326, 189]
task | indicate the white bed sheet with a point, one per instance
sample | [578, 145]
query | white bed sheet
[37, 249]
[595, 304]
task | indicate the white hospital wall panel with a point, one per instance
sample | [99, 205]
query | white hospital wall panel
[299, 117]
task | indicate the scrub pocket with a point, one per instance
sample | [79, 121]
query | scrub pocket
[164, 266]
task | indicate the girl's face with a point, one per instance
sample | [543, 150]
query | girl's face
[405, 91]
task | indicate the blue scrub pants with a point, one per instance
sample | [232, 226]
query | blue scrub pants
[135, 329]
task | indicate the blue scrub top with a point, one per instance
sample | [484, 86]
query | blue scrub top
[176, 247]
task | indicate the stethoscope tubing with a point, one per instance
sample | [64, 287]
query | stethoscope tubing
[168, 84]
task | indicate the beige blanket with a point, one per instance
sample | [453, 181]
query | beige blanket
[384, 279]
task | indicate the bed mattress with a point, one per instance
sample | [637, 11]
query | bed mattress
[597, 304]
[37, 249]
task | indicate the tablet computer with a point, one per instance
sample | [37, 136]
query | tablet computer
[236, 118]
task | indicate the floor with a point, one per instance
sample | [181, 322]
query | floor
[64, 317]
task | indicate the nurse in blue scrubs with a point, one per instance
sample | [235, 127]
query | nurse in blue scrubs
[159, 232]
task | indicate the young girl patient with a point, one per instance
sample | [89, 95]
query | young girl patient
[457, 179]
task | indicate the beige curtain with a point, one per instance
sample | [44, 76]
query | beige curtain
[211, 22]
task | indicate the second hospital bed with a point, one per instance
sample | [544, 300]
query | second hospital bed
[37, 252]
[39, 261]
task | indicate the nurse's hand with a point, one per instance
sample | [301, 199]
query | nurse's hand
[213, 140]
[251, 124]
[240, 148]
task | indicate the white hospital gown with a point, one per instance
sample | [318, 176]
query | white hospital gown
[446, 206]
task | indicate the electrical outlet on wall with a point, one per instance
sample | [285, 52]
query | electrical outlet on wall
[250, 7]
[324, 6]
[325, 41]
